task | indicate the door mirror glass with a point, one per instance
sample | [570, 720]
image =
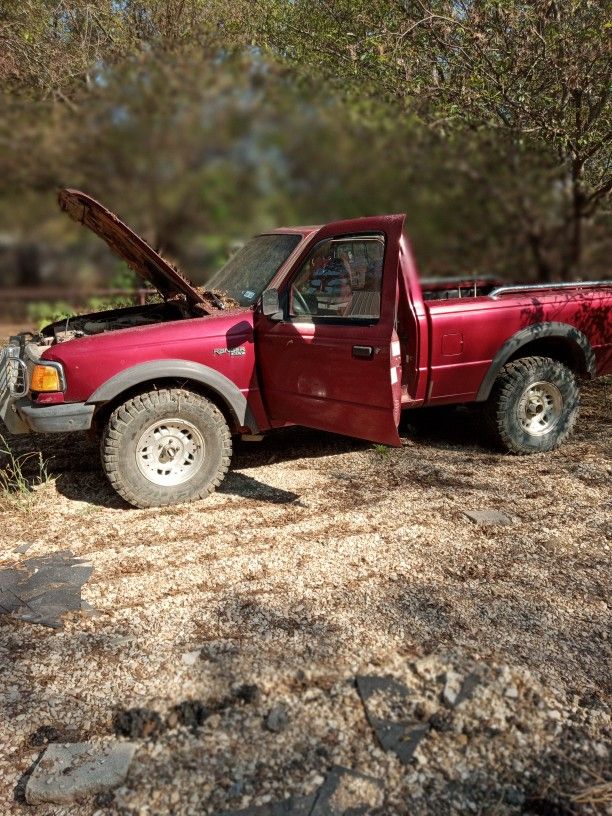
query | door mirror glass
[270, 304]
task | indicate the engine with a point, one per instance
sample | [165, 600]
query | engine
[114, 320]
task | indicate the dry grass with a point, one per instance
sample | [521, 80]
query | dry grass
[16, 489]
[595, 795]
[321, 557]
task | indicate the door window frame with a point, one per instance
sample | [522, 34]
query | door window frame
[333, 320]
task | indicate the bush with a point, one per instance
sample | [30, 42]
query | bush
[41, 313]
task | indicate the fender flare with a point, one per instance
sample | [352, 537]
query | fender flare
[539, 331]
[142, 373]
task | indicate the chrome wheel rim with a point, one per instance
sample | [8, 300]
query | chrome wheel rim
[540, 408]
[170, 452]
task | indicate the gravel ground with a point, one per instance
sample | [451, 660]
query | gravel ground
[321, 559]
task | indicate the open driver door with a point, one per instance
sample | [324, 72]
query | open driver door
[330, 358]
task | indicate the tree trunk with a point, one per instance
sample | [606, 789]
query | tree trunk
[543, 267]
[28, 265]
[572, 266]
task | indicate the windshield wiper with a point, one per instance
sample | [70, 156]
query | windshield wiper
[215, 298]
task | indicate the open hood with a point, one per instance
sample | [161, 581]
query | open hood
[130, 247]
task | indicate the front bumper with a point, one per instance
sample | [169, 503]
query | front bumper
[19, 413]
[23, 416]
[71, 416]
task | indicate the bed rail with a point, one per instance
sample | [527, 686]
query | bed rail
[536, 287]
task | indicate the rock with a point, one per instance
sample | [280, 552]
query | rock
[277, 719]
[426, 667]
[137, 722]
[191, 658]
[44, 735]
[457, 690]
[441, 721]
[467, 687]
[409, 741]
[23, 548]
[71, 772]
[104, 799]
[347, 792]
[452, 687]
[236, 789]
[44, 589]
[397, 734]
[246, 693]
[488, 517]
[191, 713]
[294, 806]
[601, 749]
[120, 640]
[511, 693]
[514, 796]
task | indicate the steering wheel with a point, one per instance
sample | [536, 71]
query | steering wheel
[299, 302]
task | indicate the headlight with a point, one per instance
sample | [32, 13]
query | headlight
[47, 377]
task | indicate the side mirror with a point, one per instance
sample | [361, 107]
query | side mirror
[270, 305]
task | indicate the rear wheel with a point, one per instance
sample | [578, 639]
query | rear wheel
[533, 405]
[166, 447]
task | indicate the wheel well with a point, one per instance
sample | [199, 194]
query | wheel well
[105, 409]
[557, 348]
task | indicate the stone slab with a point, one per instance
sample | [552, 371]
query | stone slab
[488, 518]
[347, 792]
[43, 589]
[72, 772]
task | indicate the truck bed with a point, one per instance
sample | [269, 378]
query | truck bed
[462, 287]
[467, 333]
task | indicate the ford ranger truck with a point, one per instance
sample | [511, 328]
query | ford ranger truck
[328, 327]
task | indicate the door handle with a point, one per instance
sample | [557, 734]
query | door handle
[364, 352]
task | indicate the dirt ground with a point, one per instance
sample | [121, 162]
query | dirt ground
[323, 558]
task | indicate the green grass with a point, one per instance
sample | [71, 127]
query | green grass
[17, 487]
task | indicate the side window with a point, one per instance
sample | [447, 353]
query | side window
[341, 278]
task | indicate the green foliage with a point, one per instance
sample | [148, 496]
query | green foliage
[124, 278]
[382, 450]
[41, 313]
[201, 122]
[535, 77]
[105, 304]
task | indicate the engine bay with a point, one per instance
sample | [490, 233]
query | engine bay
[114, 320]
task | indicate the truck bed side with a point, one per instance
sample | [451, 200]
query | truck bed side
[469, 337]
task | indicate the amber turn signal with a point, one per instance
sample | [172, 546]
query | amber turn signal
[45, 378]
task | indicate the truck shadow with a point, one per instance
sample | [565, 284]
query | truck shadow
[92, 487]
[447, 426]
[73, 459]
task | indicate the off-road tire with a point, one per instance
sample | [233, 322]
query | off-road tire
[503, 412]
[129, 421]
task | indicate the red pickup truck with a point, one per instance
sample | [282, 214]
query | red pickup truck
[327, 327]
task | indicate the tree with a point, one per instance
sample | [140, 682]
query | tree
[57, 49]
[534, 73]
[489, 120]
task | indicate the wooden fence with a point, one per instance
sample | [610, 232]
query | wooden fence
[14, 301]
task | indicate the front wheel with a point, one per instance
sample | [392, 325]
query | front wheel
[533, 405]
[166, 447]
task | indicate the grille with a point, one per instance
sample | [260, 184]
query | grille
[13, 372]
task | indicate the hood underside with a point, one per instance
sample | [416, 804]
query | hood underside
[130, 247]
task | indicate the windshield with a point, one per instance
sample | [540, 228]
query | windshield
[250, 270]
